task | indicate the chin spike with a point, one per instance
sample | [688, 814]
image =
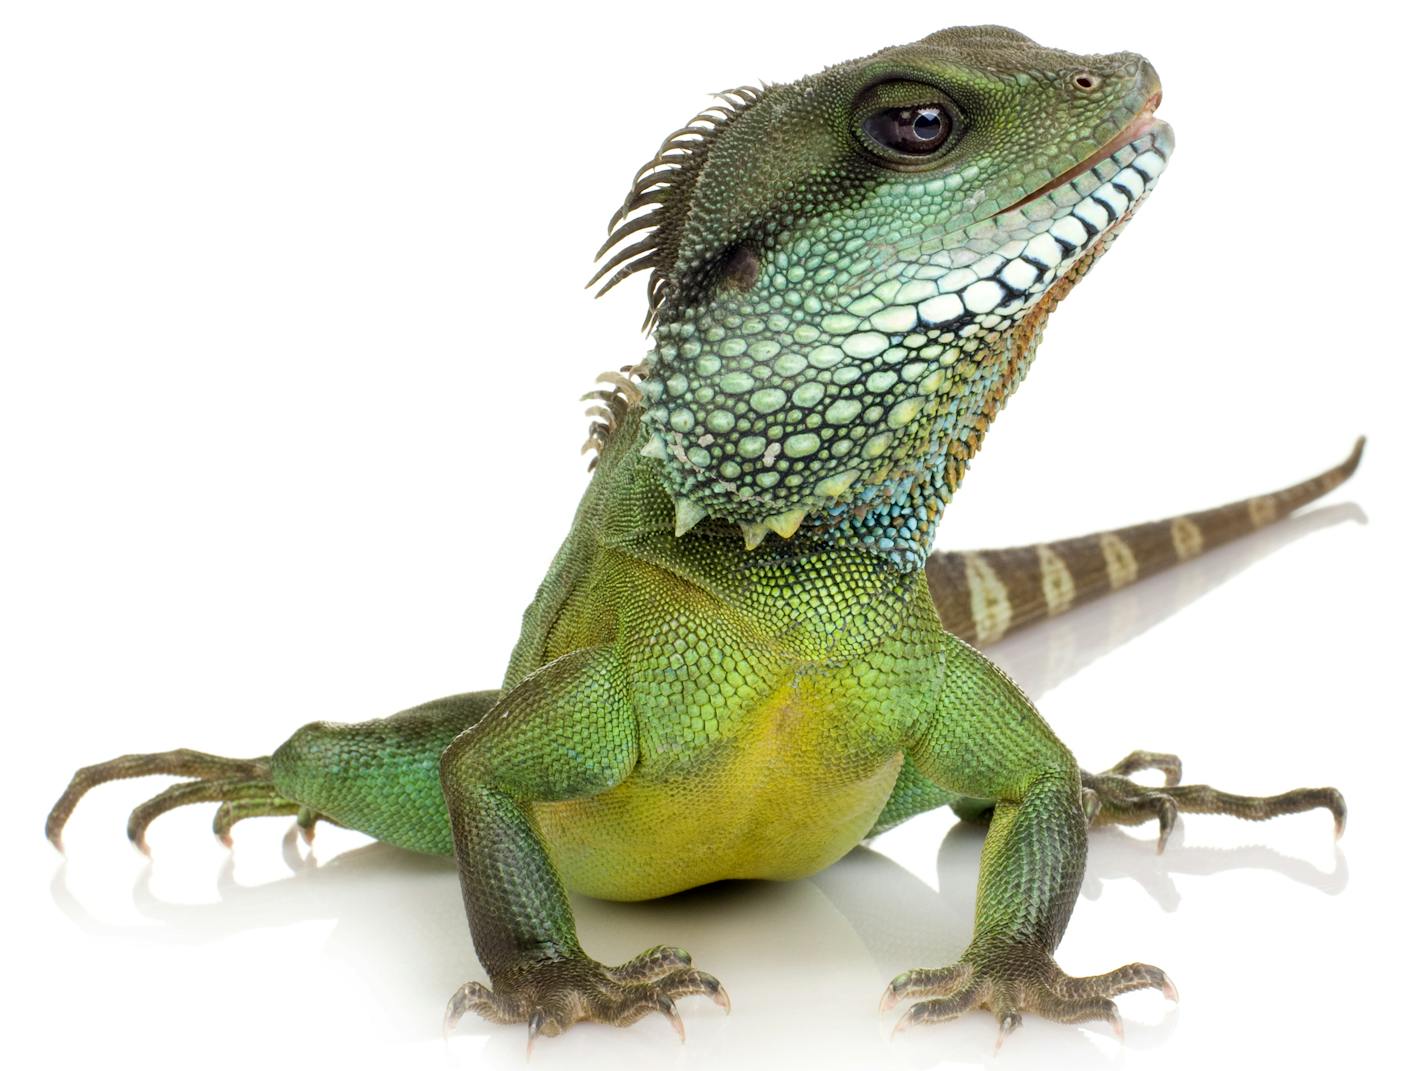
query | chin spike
[785, 524]
[687, 516]
[753, 534]
[655, 448]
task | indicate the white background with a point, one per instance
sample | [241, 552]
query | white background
[293, 333]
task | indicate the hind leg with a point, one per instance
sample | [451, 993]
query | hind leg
[381, 777]
[1113, 798]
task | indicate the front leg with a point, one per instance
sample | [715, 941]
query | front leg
[984, 739]
[565, 732]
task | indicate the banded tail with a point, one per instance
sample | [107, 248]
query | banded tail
[984, 595]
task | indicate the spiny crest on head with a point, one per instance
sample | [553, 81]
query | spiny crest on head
[660, 199]
[611, 406]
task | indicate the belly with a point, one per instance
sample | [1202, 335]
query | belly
[783, 798]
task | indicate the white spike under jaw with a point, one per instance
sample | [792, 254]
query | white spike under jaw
[753, 534]
[687, 515]
[655, 448]
[785, 524]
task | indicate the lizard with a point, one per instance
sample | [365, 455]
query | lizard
[747, 657]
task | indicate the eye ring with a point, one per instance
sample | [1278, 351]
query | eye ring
[1086, 80]
[915, 130]
[907, 125]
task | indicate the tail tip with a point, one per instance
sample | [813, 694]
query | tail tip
[1351, 463]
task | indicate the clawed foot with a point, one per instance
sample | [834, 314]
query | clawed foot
[242, 787]
[1011, 980]
[552, 995]
[1113, 798]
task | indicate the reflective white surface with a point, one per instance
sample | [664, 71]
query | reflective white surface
[285, 439]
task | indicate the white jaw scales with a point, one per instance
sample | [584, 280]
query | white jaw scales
[1012, 258]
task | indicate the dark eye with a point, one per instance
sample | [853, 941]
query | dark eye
[914, 130]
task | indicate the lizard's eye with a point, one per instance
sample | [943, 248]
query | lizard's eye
[916, 130]
[909, 125]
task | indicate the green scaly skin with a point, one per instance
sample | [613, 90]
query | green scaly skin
[736, 667]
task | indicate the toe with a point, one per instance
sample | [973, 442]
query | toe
[688, 981]
[940, 1010]
[652, 964]
[940, 982]
[1114, 983]
[474, 997]
[1079, 1010]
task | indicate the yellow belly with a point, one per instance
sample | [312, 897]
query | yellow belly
[778, 798]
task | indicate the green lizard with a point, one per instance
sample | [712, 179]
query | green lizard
[745, 658]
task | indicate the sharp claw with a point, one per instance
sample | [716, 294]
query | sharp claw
[668, 1007]
[141, 843]
[720, 998]
[454, 1011]
[1340, 815]
[1092, 804]
[536, 1025]
[1007, 1025]
[901, 1025]
[912, 1017]
[225, 839]
[306, 822]
[1168, 819]
[1115, 1021]
[1169, 990]
[889, 998]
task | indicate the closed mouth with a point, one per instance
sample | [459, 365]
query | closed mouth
[1130, 133]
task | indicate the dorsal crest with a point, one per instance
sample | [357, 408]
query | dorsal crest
[612, 403]
[660, 199]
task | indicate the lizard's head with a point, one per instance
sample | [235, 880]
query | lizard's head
[850, 272]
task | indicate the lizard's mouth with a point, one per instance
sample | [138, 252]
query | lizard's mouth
[1140, 124]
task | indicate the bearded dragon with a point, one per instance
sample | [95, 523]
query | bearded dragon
[746, 657]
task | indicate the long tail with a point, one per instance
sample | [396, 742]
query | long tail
[984, 595]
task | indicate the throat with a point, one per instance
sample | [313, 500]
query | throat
[896, 512]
